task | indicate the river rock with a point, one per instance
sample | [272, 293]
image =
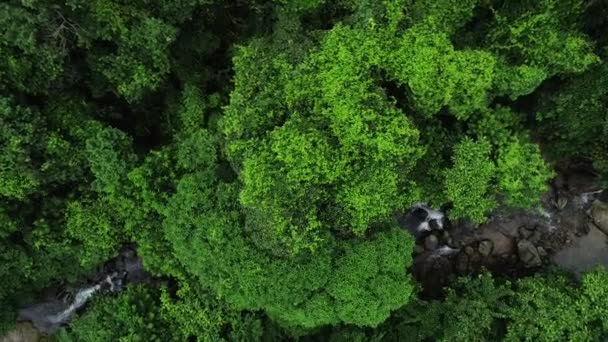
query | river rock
[599, 214]
[469, 250]
[561, 202]
[501, 243]
[435, 225]
[528, 254]
[535, 237]
[445, 236]
[420, 220]
[524, 232]
[572, 219]
[485, 247]
[431, 242]
[23, 332]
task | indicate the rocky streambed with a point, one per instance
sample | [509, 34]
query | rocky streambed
[60, 305]
[568, 230]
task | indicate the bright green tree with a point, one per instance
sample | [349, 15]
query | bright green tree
[468, 182]
[522, 174]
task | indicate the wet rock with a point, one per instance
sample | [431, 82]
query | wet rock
[535, 237]
[501, 243]
[528, 254]
[469, 250]
[588, 198]
[561, 202]
[431, 242]
[541, 251]
[509, 224]
[447, 239]
[599, 215]
[135, 271]
[435, 225]
[445, 236]
[418, 249]
[524, 232]
[572, 218]
[23, 332]
[420, 219]
[446, 251]
[485, 247]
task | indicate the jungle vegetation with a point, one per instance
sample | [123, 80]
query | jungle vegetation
[255, 151]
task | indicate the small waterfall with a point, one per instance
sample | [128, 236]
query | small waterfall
[421, 219]
[549, 216]
[587, 197]
[81, 298]
[50, 315]
[446, 250]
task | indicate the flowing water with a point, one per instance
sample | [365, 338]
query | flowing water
[48, 316]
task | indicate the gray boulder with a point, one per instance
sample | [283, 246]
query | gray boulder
[528, 254]
[599, 215]
[431, 242]
[485, 247]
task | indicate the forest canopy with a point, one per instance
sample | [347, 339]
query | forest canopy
[258, 153]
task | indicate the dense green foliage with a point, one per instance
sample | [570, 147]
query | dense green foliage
[144, 314]
[257, 151]
[548, 308]
[469, 179]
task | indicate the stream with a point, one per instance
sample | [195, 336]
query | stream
[51, 314]
[569, 230]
